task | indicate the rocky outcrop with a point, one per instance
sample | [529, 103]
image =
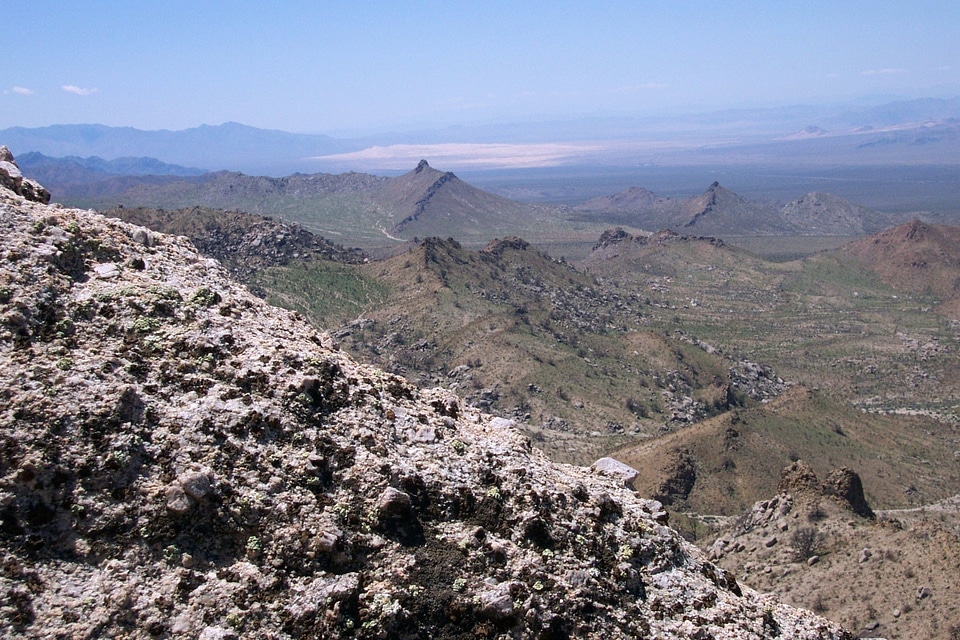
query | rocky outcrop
[179, 459]
[242, 242]
[680, 475]
[845, 485]
[11, 178]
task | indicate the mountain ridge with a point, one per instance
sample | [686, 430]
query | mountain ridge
[721, 212]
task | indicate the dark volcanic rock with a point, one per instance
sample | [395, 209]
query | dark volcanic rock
[845, 484]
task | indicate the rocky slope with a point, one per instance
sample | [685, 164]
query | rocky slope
[915, 257]
[816, 542]
[180, 459]
[242, 242]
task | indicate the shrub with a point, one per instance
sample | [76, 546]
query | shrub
[805, 542]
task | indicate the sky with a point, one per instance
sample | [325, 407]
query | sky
[350, 68]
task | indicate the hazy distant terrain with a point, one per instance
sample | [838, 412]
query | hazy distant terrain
[923, 131]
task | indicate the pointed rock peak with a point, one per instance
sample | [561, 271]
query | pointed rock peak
[914, 228]
[713, 186]
[421, 166]
[846, 486]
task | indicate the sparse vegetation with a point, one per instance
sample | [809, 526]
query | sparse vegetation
[805, 543]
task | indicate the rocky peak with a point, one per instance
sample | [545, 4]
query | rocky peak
[422, 165]
[846, 486]
[499, 245]
[799, 479]
[181, 459]
[12, 179]
[613, 236]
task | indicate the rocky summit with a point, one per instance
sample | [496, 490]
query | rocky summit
[179, 459]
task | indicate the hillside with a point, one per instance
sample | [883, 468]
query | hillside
[181, 459]
[528, 337]
[334, 206]
[426, 202]
[916, 257]
[354, 208]
[825, 321]
[813, 543]
[724, 464]
[242, 242]
[721, 212]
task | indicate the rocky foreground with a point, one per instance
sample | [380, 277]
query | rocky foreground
[179, 459]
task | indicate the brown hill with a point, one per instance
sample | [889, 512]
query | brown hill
[180, 459]
[632, 200]
[821, 213]
[916, 257]
[665, 253]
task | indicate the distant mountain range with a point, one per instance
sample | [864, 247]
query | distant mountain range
[926, 130]
[355, 207]
[367, 210]
[229, 145]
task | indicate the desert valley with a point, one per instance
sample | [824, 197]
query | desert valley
[548, 381]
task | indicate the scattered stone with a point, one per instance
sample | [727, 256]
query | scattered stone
[769, 542]
[812, 560]
[106, 271]
[196, 484]
[177, 501]
[616, 468]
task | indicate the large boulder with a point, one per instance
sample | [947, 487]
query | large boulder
[12, 179]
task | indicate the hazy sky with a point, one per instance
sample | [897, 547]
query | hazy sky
[338, 67]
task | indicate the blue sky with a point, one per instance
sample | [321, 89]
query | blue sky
[353, 67]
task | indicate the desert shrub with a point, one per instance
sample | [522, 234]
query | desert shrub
[816, 513]
[637, 408]
[805, 542]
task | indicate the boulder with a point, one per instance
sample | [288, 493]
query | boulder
[12, 179]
